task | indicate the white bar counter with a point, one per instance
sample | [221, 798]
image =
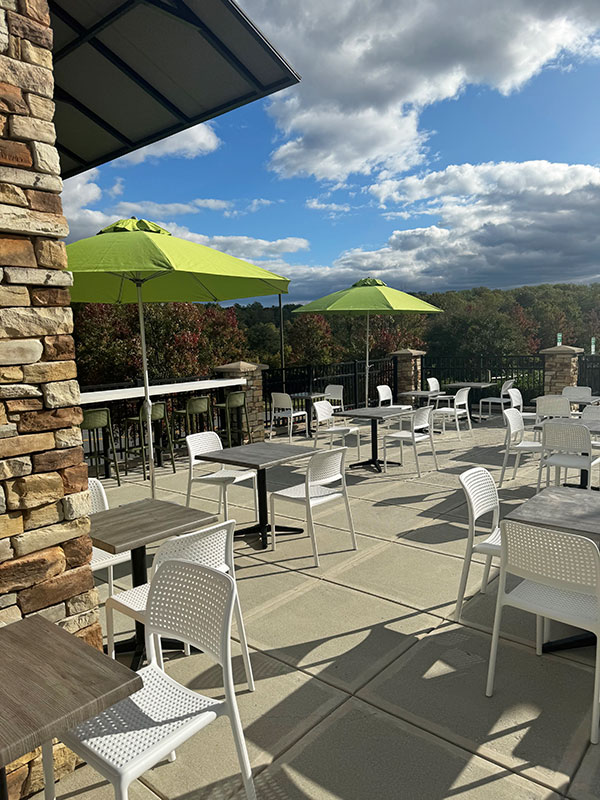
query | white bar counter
[133, 392]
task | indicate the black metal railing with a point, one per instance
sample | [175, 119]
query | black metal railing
[589, 372]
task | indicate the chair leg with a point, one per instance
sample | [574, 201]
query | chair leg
[307, 425]
[539, 634]
[188, 499]
[111, 589]
[539, 480]
[435, 461]
[273, 535]
[358, 442]
[350, 520]
[114, 452]
[271, 429]
[187, 651]
[504, 465]
[242, 752]
[311, 533]
[486, 575]
[225, 505]
[290, 428]
[384, 454]
[417, 459]
[228, 426]
[120, 789]
[489, 689]
[462, 586]
[517, 459]
[170, 441]
[237, 610]
[248, 424]
[126, 449]
[469, 426]
[596, 700]
[110, 631]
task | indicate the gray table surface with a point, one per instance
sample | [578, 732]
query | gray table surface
[377, 412]
[419, 393]
[309, 395]
[143, 522]
[564, 509]
[593, 425]
[260, 455]
[52, 681]
[470, 385]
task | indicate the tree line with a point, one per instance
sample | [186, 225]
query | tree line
[186, 339]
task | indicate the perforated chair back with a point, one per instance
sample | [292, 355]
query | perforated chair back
[205, 442]
[576, 392]
[235, 400]
[198, 405]
[384, 393]
[323, 410]
[433, 385]
[516, 398]
[280, 401]
[326, 466]
[461, 399]
[506, 386]
[95, 419]
[591, 412]
[481, 493]
[98, 499]
[553, 405]
[514, 425]
[336, 393]
[157, 412]
[211, 546]
[193, 604]
[422, 418]
[562, 560]
[560, 437]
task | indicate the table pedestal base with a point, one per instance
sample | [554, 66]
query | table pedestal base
[374, 463]
[578, 640]
[138, 652]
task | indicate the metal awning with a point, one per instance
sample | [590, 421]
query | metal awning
[131, 73]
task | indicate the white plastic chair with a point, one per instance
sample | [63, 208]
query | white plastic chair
[193, 603]
[420, 421]
[552, 406]
[502, 401]
[516, 401]
[577, 393]
[282, 407]
[433, 385]
[100, 558]
[482, 498]
[568, 446]
[457, 410]
[324, 414]
[206, 442]
[515, 443]
[211, 547]
[324, 468]
[386, 399]
[561, 574]
[335, 392]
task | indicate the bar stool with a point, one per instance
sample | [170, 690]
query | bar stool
[195, 409]
[159, 414]
[234, 401]
[94, 421]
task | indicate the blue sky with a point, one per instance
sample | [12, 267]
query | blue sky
[435, 145]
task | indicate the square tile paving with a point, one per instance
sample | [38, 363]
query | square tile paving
[365, 688]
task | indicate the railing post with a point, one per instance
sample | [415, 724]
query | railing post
[356, 387]
[395, 377]
[310, 377]
[560, 367]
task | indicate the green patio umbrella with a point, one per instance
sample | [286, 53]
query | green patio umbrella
[137, 261]
[366, 297]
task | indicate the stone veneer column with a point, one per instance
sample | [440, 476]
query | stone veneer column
[409, 369]
[561, 367]
[254, 393]
[44, 544]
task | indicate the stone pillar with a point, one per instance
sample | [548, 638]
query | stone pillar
[44, 544]
[561, 366]
[254, 393]
[409, 364]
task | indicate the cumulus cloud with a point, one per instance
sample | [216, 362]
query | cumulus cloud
[149, 209]
[332, 209]
[196, 141]
[370, 68]
[242, 246]
[78, 193]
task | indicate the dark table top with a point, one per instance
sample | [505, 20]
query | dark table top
[377, 412]
[259, 455]
[564, 509]
[469, 385]
[309, 395]
[593, 425]
[52, 681]
[143, 522]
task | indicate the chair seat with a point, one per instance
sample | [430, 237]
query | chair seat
[136, 732]
[490, 546]
[450, 412]
[560, 604]
[399, 407]
[131, 602]
[318, 494]
[570, 461]
[226, 476]
[499, 400]
[528, 447]
[286, 414]
[343, 430]
[101, 559]
[407, 436]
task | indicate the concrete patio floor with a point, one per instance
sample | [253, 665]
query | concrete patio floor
[365, 686]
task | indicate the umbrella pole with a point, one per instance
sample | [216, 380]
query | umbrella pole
[281, 343]
[147, 402]
[367, 366]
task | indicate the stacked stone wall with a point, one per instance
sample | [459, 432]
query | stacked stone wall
[45, 548]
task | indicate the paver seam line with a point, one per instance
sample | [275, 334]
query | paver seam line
[578, 767]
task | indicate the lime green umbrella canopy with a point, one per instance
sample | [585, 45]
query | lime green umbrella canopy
[365, 297]
[368, 295]
[107, 268]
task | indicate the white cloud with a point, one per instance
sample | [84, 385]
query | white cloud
[79, 192]
[257, 204]
[193, 142]
[242, 246]
[370, 68]
[333, 208]
[212, 204]
[117, 188]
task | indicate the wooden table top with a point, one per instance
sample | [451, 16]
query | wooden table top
[593, 425]
[259, 455]
[564, 509]
[143, 522]
[52, 681]
[377, 412]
